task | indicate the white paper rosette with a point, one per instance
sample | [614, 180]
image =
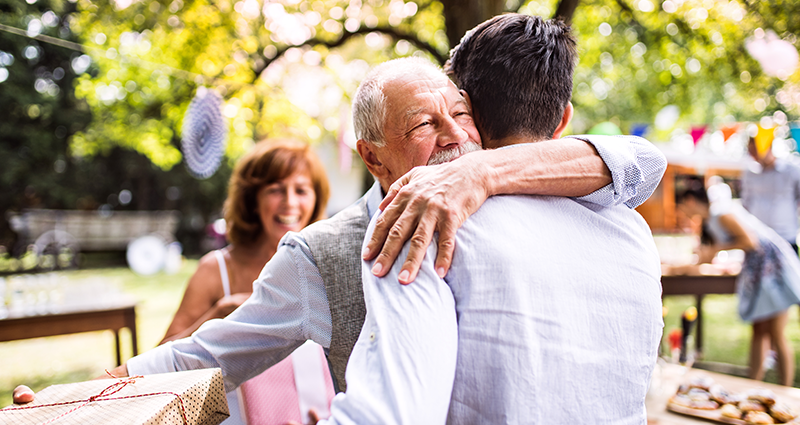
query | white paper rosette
[204, 134]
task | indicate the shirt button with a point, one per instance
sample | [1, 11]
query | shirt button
[372, 336]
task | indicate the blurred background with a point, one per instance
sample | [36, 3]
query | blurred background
[102, 106]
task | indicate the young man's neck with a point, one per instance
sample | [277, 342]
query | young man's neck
[514, 139]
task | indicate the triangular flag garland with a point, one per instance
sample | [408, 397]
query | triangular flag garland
[795, 131]
[764, 139]
[204, 134]
[729, 130]
[639, 129]
[697, 132]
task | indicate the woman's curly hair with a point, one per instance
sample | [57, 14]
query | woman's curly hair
[266, 163]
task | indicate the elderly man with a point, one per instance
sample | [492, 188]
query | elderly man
[551, 311]
[311, 289]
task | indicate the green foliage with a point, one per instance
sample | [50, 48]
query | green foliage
[40, 111]
[288, 69]
[634, 62]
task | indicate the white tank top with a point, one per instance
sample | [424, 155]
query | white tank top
[223, 272]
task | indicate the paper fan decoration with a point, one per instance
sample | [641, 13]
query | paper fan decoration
[204, 134]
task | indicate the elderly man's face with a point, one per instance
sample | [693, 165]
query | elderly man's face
[427, 122]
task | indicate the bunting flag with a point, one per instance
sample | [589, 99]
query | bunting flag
[764, 140]
[697, 132]
[795, 129]
[729, 130]
[204, 134]
[639, 129]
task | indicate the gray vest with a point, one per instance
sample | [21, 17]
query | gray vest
[336, 247]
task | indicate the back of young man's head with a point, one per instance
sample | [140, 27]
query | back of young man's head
[517, 70]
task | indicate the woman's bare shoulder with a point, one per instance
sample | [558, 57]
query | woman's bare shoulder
[207, 276]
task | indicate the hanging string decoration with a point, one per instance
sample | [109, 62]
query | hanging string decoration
[204, 134]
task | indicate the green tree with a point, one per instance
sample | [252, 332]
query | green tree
[39, 168]
[287, 69]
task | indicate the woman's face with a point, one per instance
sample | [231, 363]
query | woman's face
[286, 205]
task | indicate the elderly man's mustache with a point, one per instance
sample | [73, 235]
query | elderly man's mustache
[454, 153]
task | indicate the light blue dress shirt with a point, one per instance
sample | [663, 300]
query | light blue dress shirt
[289, 304]
[773, 195]
[550, 314]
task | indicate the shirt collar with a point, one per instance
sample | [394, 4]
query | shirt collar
[374, 197]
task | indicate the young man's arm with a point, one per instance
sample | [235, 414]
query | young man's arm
[603, 170]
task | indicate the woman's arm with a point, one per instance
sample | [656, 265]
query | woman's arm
[742, 237]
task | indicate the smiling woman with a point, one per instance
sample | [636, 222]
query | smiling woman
[277, 187]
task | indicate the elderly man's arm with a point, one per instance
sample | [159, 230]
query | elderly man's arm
[619, 169]
[279, 316]
[402, 368]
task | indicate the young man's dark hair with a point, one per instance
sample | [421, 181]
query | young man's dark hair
[517, 70]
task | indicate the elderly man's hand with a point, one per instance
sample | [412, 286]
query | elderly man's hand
[23, 394]
[425, 200]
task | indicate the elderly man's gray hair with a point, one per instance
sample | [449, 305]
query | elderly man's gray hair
[369, 103]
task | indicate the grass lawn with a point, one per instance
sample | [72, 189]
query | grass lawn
[71, 358]
[726, 339]
[41, 362]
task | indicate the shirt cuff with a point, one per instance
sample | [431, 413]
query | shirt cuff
[157, 360]
[621, 160]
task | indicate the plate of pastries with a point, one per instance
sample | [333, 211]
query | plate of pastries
[703, 398]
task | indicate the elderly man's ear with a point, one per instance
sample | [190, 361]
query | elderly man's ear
[369, 156]
[565, 119]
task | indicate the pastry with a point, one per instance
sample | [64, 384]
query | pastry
[681, 400]
[782, 413]
[697, 394]
[704, 405]
[751, 406]
[766, 397]
[758, 418]
[721, 395]
[731, 411]
[701, 382]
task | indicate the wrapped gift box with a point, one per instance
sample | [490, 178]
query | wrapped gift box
[194, 397]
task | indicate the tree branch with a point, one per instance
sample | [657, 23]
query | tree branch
[565, 10]
[346, 35]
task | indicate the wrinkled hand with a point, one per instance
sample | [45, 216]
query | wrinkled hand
[226, 305]
[425, 200]
[23, 394]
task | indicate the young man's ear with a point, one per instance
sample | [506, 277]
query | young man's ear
[474, 115]
[367, 152]
[565, 119]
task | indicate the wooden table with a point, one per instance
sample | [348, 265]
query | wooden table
[665, 384]
[113, 316]
[699, 286]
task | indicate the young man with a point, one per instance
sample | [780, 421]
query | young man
[551, 310]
